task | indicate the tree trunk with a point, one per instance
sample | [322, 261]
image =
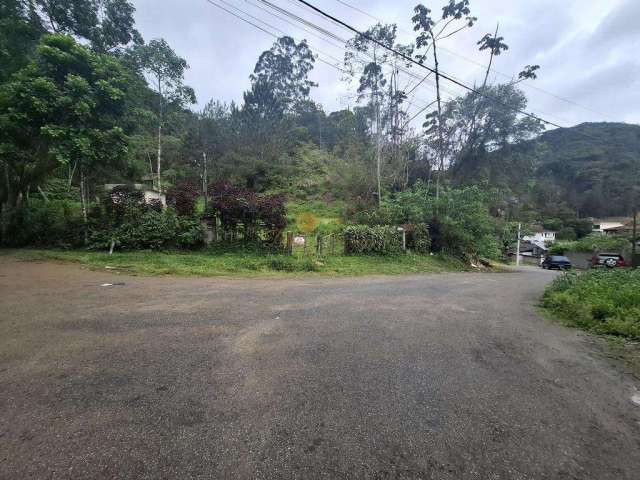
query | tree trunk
[204, 179]
[440, 136]
[159, 156]
[83, 200]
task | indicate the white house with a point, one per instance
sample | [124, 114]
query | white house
[541, 237]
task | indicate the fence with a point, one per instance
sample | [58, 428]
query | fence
[320, 244]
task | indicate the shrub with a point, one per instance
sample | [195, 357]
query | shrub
[236, 206]
[419, 239]
[605, 302]
[56, 223]
[183, 198]
[379, 239]
[566, 233]
[141, 228]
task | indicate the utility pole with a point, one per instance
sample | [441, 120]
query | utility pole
[518, 247]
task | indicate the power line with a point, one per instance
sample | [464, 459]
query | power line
[344, 41]
[409, 103]
[484, 66]
[440, 74]
[269, 26]
[333, 35]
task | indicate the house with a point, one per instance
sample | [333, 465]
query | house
[541, 236]
[601, 225]
[149, 193]
[624, 229]
[531, 252]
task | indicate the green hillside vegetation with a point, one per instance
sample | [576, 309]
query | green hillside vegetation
[592, 167]
[86, 101]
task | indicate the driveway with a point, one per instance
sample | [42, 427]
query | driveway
[451, 376]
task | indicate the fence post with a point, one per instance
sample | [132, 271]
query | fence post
[289, 247]
[319, 244]
[333, 244]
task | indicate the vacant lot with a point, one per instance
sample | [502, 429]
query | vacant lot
[450, 376]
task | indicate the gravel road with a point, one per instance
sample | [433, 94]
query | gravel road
[450, 376]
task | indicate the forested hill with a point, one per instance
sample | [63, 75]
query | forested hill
[593, 167]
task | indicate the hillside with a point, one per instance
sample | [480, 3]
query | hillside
[593, 167]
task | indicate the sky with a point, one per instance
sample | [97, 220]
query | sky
[588, 50]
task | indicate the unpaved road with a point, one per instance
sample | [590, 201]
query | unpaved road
[446, 376]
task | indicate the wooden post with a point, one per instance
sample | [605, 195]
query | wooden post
[289, 247]
[333, 244]
[319, 244]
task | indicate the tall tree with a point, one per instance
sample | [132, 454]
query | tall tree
[165, 72]
[20, 29]
[65, 107]
[481, 124]
[285, 68]
[455, 18]
[372, 79]
[106, 24]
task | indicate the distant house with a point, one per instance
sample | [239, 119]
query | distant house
[625, 229]
[531, 252]
[541, 236]
[601, 225]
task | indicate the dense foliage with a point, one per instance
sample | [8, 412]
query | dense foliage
[377, 239]
[606, 301]
[593, 168]
[592, 243]
[85, 101]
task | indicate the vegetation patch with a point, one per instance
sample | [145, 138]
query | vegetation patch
[603, 302]
[592, 243]
[246, 262]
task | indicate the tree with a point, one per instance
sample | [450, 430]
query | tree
[20, 30]
[285, 69]
[106, 24]
[65, 107]
[372, 80]
[429, 33]
[483, 124]
[165, 72]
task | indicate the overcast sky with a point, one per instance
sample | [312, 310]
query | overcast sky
[588, 50]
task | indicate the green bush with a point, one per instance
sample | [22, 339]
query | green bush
[601, 301]
[419, 239]
[379, 239]
[56, 223]
[592, 243]
[149, 229]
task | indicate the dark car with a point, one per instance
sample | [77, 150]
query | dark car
[609, 260]
[556, 261]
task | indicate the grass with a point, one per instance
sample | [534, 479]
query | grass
[247, 263]
[599, 301]
[329, 215]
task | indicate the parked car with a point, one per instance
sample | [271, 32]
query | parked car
[609, 260]
[556, 261]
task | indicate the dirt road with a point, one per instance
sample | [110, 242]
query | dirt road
[451, 376]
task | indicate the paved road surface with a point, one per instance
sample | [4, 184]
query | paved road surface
[422, 377]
